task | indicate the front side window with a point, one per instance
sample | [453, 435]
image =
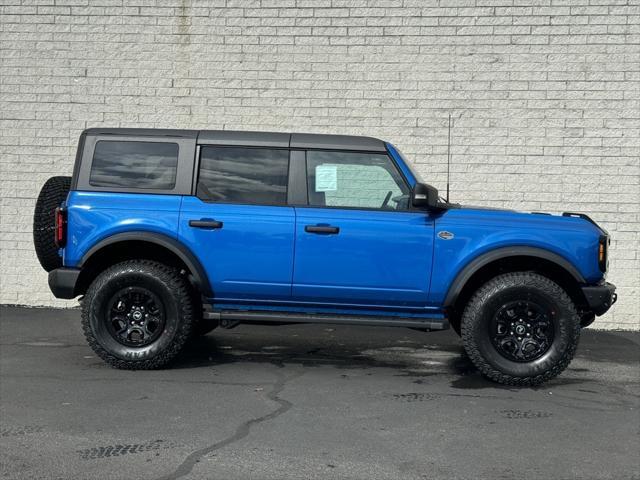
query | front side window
[135, 165]
[355, 180]
[243, 175]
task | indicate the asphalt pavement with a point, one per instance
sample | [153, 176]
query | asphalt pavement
[308, 402]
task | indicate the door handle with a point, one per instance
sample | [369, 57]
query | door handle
[205, 223]
[322, 229]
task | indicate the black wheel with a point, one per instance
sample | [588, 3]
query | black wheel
[138, 314]
[520, 329]
[52, 194]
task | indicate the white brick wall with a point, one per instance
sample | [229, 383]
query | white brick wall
[545, 95]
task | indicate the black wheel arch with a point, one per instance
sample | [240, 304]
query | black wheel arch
[512, 259]
[141, 244]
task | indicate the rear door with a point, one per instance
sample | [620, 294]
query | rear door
[239, 224]
[358, 242]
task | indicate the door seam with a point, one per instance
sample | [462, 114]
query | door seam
[295, 241]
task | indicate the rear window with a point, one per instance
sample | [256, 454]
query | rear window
[243, 175]
[136, 165]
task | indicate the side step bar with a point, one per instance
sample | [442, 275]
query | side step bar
[239, 316]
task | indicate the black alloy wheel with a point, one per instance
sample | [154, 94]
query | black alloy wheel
[522, 331]
[139, 314]
[136, 317]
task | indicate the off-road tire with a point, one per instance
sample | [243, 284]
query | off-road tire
[52, 194]
[509, 287]
[176, 297]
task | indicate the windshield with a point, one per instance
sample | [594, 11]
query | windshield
[410, 166]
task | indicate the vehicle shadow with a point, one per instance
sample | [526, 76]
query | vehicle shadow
[211, 350]
[411, 354]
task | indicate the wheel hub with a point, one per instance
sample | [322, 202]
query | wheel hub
[522, 331]
[136, 317]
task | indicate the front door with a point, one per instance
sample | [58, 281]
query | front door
[358, 243]
[239, 225]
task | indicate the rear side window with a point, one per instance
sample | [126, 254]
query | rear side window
[243, 175]
[135, 165]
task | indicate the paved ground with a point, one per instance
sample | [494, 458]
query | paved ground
[303, 402]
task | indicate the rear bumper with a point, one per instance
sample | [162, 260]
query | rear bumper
[62, 282]
[600, 297]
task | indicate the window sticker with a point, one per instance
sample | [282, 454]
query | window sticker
[326, 178]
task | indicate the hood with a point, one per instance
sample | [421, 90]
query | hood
[480, 207]
[493, 215]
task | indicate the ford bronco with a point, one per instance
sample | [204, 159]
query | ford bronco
[167, 234]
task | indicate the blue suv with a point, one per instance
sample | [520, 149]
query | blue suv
[167, 234]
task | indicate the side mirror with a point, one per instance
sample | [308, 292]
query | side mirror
[425, 196]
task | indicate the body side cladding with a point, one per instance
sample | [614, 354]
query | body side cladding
[501, 253]
[173, 245]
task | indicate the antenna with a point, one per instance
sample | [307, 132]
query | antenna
[448, 156]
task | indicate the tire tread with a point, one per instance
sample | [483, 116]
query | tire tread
[492, 287]
[182, 293]
[52, 194]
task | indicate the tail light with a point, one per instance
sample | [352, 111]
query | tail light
[61, 227]
[603, 250]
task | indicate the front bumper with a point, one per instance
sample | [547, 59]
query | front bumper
[63, 281]
[600, 297]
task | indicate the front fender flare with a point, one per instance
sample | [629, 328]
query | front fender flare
[179, 249]
[517, 251]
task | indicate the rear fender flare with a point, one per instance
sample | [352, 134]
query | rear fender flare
[177, 248]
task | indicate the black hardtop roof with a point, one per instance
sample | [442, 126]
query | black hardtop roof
[253, 139]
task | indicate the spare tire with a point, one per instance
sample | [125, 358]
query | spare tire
[53, 193]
